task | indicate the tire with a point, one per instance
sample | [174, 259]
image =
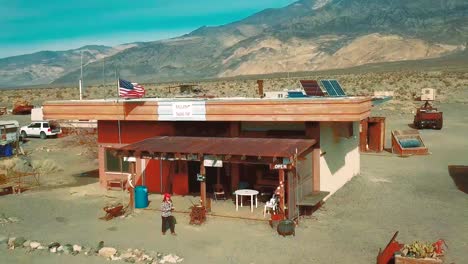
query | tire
[43, 135]
[418, 125]
[439, 124]
[24, 134]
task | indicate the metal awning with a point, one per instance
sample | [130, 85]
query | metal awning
[257, 147]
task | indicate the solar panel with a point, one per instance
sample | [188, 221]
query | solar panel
[329, 88]
[295, 94]
[337, 87]
[312, 88]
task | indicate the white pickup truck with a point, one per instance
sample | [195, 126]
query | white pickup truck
[42, 129]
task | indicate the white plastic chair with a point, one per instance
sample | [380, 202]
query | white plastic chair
[272, 204]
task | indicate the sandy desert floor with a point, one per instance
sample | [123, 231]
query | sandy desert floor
[414, 195]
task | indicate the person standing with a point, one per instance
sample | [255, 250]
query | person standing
[166, 214]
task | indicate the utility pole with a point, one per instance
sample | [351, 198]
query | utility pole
[81, 77]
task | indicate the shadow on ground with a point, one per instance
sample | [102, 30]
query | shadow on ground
[459, 175]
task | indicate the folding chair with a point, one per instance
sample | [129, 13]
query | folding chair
[218, 192]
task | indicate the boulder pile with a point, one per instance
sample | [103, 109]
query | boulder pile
[110, 253]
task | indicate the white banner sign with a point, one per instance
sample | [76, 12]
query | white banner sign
[182, 109]
[213, 163]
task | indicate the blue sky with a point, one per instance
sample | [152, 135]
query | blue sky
[28, 26]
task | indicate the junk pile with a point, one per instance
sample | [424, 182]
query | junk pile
[112, 211]
[22, 107]
[110, 253]
[414, 253]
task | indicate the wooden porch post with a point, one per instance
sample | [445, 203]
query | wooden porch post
[131, 203]
[316, 170]
[313, 131]
[234, 131]
[102, 164]
[202, 184]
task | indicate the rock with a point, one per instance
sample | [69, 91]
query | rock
[115, 258]
[13, 219]
[137, 252]
[77, 248]
[26, 243]
[99, 246]
[34, 245]
[60, 249]
[68, 249]
[107, 252]
[170, 259]
[126, 255]
[53, 250]
[146, 257]
[19, 241]
[54, 244]
[41, 247]
[11, 242]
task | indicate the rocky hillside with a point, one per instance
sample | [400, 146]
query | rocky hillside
[46, 66]
[308, 35]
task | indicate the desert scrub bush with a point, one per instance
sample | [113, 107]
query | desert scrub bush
[44, 167]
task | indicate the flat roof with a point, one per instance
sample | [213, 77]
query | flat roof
[257, 147]
[213, 109]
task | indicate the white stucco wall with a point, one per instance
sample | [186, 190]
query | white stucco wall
[340, 157]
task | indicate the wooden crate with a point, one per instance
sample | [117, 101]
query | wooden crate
[397, 148]
[406, 260]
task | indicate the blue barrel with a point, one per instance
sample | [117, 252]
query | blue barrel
[8, 150]
[141, 196]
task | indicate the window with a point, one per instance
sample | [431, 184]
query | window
[35, 125]
[113, 163]
[46, 125]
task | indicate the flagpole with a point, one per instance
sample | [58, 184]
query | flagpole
[117, 80]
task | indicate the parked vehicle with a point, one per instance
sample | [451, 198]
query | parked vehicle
[42, 129]
[22, 107]
[428, 117]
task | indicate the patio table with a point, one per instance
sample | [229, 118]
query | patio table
[246, 192]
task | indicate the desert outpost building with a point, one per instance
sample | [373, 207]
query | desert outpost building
[308, 146]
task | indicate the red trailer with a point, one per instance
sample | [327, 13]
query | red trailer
[428, 117]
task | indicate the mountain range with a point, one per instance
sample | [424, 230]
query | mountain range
[307, 35]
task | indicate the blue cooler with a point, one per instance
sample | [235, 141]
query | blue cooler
[141, 196]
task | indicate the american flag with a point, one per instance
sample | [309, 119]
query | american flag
[130, 90]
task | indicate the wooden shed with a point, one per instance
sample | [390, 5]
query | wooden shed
[372, 134]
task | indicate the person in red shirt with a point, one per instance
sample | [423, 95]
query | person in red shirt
[166, 214]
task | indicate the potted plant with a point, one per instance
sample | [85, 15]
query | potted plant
[421, 253]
